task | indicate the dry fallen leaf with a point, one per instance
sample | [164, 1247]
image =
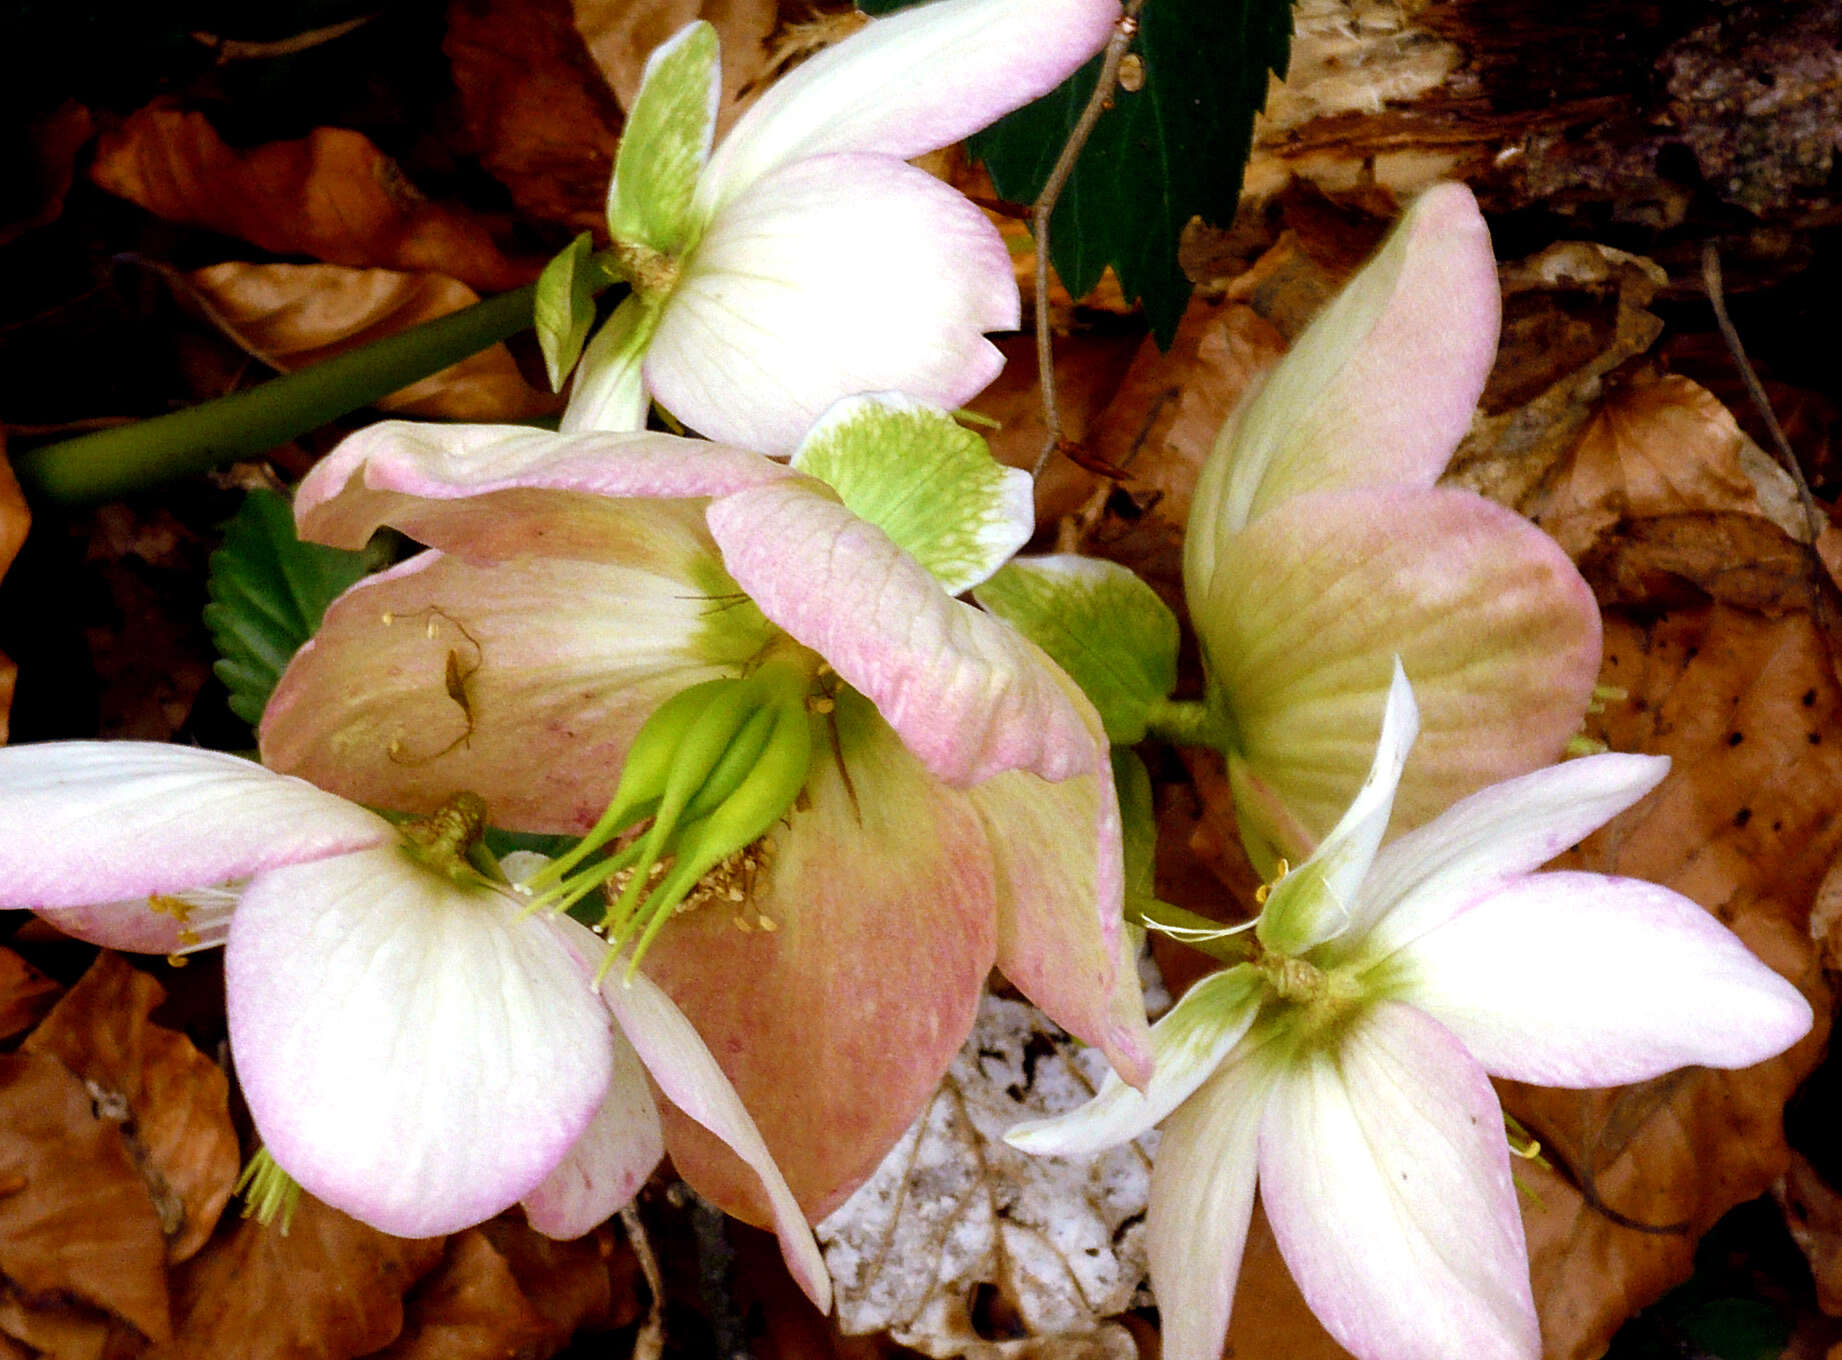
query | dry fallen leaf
[76, 1219]
[15, 520]
[1813, 1212]
[953, 1208]
[331, 195]
[291, 316]
[25, 994]
[328, 1289]
[621, 34]
[172, 1101]
[589, 1282]
[471, 1308]
[537, 110]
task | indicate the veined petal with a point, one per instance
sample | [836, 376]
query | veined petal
[836, 275]
[1571, 979]
[1384, 1171]
[161, 923]
[970, 696]
[609, 392]
[1202, 1197]
[1422, 878]
[524, 682]
[91, 821]
[682, 1064]
[1320, 898]
[609, 1163]
[1061, 933]
[666, 141]
[837, 1017]
[395, 471]
[1379, 389]
[414, 1052]
[1497, 631]
[1187, 1046]
[914, 81]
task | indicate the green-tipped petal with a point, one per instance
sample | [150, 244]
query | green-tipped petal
[666, 142]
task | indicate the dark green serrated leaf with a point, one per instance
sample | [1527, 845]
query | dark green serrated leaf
[268, 591]
[1171, 150]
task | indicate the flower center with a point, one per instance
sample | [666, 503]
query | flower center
[652, 273]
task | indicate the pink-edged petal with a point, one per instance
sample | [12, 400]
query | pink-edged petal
[1422, 878]
[1379, 389]
[1187, 1046]
[91, 821]
[837, 1017]
[609, 391]
[1572, 979]
[391, 472]
[912, 82]
[1202, 1197]
[682, 1065]
[560, 663]
[162, 923]
[609, 1163]
[836, 275]
[970, 696]
[417, 1053]
[1384, 1171]
[1061, 935]
[1494, 627]
[1320, 898]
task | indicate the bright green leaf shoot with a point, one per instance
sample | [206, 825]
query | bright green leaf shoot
[665, 145]
[566, 307]
[926, 481]
[268, 591]
[1101, 624]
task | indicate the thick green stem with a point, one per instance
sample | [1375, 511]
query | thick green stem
[1187, 928]
[246, 424]
[1188, 722]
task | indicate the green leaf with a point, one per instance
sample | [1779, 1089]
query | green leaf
[666, 142]
[566, 307]
[1168, 151]
[268, 590]
[1109, 630]
[926, 481]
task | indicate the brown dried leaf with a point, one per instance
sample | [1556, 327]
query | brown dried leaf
[622, 33]
[41, 171]
[75, 1219]
[328, 1289]
[292, 316]
[331, 195]
[51, 1327]
[172, 1100]
[471, 1308]
[25, 994]
[593, 1281]
[539, 114]
[15, 520]
[1813, 1212]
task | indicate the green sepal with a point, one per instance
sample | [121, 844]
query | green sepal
[666, 142]
[1101, 624]
[1138, 824]
[926, 481]
[565, 307]
[268, 590]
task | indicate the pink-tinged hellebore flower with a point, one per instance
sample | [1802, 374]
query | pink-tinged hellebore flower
[415, 1047]
[1318, 546]
[1345, 1069]
[805, 260]
[850, 793]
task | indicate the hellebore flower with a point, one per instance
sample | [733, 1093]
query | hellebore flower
[1344, 1067]
[862, 792]
[1318, 546]
[415, 1047]
[805, 260]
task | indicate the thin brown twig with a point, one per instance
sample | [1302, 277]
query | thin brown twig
[1124, 30]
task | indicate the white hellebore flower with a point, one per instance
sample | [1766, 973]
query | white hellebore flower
[805, 260]
[1346, 1067]
[416, 1048]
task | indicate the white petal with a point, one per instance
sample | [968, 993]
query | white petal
[1202, 1196]
[836, 275]
[609, 1162]
[1420, 879]
[1321, 898]
[609, 392]
[912, 82]
[685, 1071]
[93, 821]
[1571, 979]
[1384, 1171]
[414, 1052]
[1187, 1046]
